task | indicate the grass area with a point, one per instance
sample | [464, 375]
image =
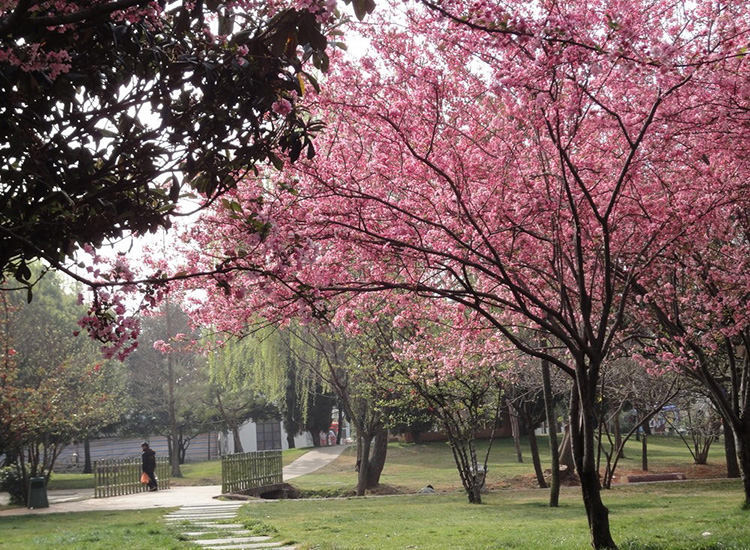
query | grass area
[695, 515]
[71, 481]
[698, 515]
[684, 516]
[90, 531]
[412, 466]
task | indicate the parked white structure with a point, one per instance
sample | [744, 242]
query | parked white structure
[262, 436]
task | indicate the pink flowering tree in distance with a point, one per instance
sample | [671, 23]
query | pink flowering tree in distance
[455, 368]
[695, 307]
[531, 162]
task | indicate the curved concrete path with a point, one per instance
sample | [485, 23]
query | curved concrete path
[83, 501]
[312, 460]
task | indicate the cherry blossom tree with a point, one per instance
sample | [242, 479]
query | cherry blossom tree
[699, 303]
[530, 162]
[450, 374]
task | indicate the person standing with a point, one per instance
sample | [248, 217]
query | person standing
[148, 457]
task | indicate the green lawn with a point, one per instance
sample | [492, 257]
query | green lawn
[685, 516]
[695, 515]
[668, 516]
[412, 466]
[129, 530]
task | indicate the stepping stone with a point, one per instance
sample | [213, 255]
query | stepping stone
[274, 545]
[206, 515]
[191, 518]
[218, 525]
[206, 510]
[235, 540]
[212, 507]
[203, 513]
[213, 532]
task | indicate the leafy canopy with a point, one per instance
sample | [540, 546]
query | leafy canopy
[111, 110]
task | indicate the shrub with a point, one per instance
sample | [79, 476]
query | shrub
[11, 482]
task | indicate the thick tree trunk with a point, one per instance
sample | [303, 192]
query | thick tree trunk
[582, 434]
[730, 451]
[597, 513]
[742, 441]
[363, 463]
[290, 441]
[236, 439]
[377, 461]
[554, 484]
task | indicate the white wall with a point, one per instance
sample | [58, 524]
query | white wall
[249, 440]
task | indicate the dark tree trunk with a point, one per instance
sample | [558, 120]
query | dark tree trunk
[535, 459]
[742, 441]
[583, 425]
[377, 461]
[644, 452]
[730, 450]
[236, 439]
[597, 513]
[363, 463]
[554, 484]
[87, 469]
[341, 425]
[290, 441]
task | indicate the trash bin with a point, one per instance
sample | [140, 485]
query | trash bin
[37, 493]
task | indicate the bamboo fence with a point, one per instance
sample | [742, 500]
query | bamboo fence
[242, 471]
[123, 476]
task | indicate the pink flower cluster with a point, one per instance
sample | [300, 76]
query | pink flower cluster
[108, 322]
[34, 57]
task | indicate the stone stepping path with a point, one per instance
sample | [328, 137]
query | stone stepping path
[207, 526]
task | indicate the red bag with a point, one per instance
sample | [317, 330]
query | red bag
[144, 478]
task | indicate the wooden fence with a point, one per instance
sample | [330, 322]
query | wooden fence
[242, 471]
[123, 477]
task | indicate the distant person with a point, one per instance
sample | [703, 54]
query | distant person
[331, 437]
[148, 457]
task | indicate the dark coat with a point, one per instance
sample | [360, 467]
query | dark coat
[148, 456]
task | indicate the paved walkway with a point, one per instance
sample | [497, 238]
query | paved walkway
[83, 501]
[312, 460]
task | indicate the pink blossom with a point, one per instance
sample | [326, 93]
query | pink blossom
[281, 107]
